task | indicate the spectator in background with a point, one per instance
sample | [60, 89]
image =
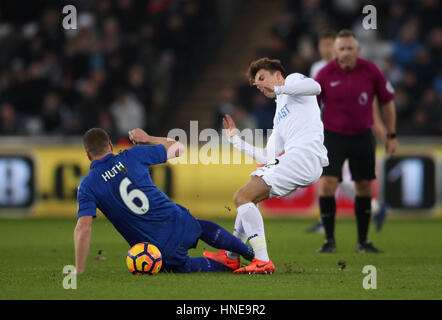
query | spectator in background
[396, 19]
[297, 64]
[430, 11]
[431, 104]
[348, 11]
[435, 44]
[54, 114]
[425, 68]
[86, 108]
[34, 90]
[276, 48]
[437, 84]
[284, 28]
[418, 124]
[410, 83]
[227, 101]
[403, 106]
[407, 45]
[244, 91]
[106, 122]
[67, 91]
[110, 38]
[137, 84]
[9, 123]
[127, 112]
[325, 50]
[162, 81]
[263, 110]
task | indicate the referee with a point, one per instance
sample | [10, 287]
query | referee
[349, 85]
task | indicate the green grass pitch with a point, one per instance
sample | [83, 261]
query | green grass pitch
[34, 252]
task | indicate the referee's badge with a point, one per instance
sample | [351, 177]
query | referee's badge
[389, 87]
[363, 98]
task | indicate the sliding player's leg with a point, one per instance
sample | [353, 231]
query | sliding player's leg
[185, 264]
[203, 264]
[220, 238]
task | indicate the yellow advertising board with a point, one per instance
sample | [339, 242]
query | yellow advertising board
[42, 181]
[207, 190]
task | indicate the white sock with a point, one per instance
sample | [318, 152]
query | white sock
[253, 226]
[238, 231]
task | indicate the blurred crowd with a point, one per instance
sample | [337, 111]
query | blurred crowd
[129, 61]
[406, 45]
[118, 70]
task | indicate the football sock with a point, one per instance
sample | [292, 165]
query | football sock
[363, 214]
[327, 206]
[202, 264]
[238, 231]
[220, 238]
[253, 225]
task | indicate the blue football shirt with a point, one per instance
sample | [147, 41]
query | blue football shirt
[122, 188]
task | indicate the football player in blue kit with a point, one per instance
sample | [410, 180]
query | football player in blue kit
[121, 187]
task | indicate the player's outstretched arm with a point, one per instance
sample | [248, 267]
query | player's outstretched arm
[82, 238]
[174, 148]
[299, 85]
[261, 155]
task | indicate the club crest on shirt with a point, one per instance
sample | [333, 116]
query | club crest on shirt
[363, 98]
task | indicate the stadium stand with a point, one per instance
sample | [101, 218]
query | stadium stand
[126, 64]
[159, 63]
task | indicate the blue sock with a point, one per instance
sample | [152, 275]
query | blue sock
[220, 238]
[202, 264]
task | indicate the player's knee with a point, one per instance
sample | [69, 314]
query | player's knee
[240, 198]
[363, 188]
[328, 186]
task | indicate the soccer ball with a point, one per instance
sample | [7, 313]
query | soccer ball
[144, 258]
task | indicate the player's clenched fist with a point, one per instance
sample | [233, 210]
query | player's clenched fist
[138, 136]
[230, 126]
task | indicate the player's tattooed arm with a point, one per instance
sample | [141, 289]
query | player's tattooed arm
[141, 137]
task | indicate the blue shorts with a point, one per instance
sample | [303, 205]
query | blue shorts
[179, 260]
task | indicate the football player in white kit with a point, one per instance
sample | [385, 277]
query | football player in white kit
[298, 131]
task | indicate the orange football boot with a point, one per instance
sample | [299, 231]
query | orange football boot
[257, 266]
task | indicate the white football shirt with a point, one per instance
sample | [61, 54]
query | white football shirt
[297, 125]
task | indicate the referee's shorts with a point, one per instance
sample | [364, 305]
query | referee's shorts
[359, 149]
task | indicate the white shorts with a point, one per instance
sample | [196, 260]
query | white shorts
[289, 172]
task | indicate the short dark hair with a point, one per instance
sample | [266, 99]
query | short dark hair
[271, 65]
[327, 34]
[96, 141]
[345, 33]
